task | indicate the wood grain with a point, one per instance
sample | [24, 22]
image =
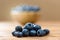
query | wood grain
[7, 27]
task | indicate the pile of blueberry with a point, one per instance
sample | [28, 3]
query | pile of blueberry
[29, 30]
[26, 8]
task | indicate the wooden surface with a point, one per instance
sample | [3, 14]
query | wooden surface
[7, 27]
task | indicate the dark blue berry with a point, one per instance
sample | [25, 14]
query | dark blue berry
[25, 32]
[47, 31]
[32, 33]
[20, 34]
[28, 26]
[36, 27]
[13, 33]
[18, 28]
[17, 34]
[41, 33]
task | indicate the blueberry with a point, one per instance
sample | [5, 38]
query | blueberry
[35, 8]
[25, 32]
[28, 26]
[47, 31]
[29, 8]
[36, 27]
[32, 33]
[26, 8]
[18, 28]
[41, 33]
[13, 33]
[17, 34]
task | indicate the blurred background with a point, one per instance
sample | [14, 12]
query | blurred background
[50, 9]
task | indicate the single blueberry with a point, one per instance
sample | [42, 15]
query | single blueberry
[36, 27]
[28, 26]
[32, 33]
[25, 32]
[13, 33]
[47, 31]
[41, 33]
[17, 34]
[18, 28]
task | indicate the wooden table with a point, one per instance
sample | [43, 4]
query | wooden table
[7, 27]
